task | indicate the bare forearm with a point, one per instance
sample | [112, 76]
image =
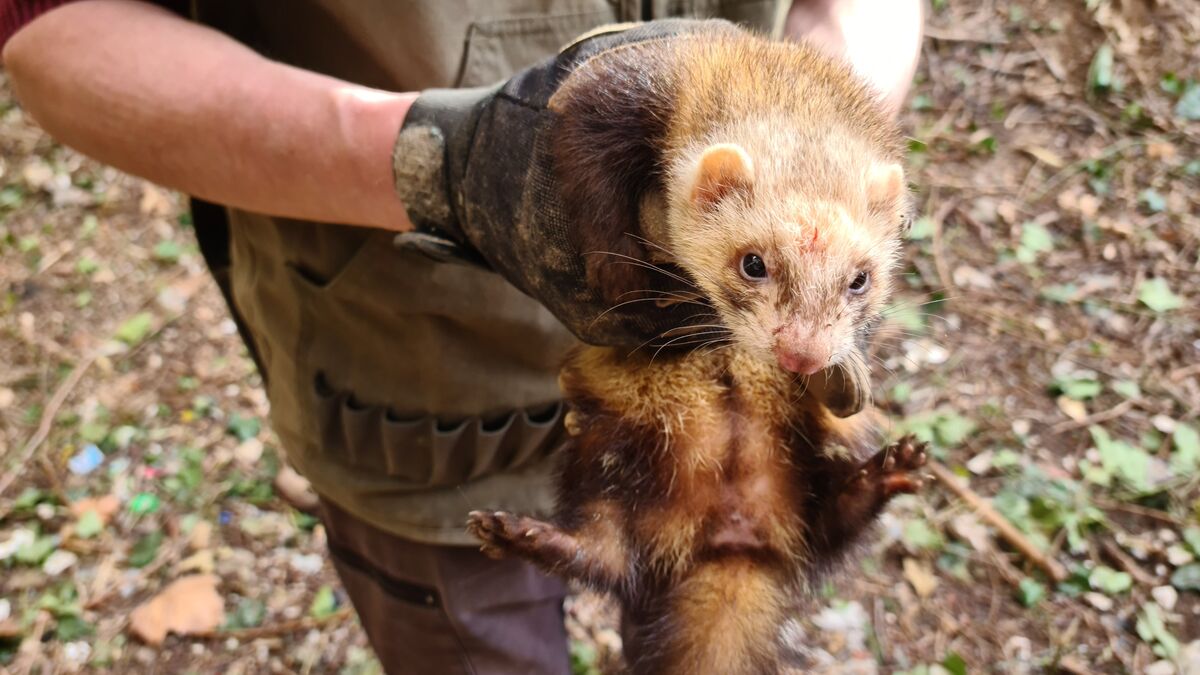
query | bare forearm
[880, 38]
[187, 107]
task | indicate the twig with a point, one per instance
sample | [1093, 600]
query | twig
[1127, 563]
[282, 628]
[1138, 511]
[940, 36]
[939, 261]
[1077, 166]
[44, 425]
[1095, 418]
[989, 514]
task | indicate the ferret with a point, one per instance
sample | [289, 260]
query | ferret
[706, 488]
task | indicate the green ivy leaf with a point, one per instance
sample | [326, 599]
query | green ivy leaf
[918, 534]
[250, 612]
[324, 603]
[955, 664]
[1185, 460]
[1127, 389]
[1109, 581]
[37, 550]
[135, 329]
[1187, 578]
[1030, 592]
[1188, 106]
[71, 628]
[1128, 463]
[1153, 630]
[167, 251]
[1035, 239]
[146, 549]
[1157, 295]
[1191, 537]
[1100, 74]
[244, 428]
[89, 525]
[1154, 202]
[952, 429]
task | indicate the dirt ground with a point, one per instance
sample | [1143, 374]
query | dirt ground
[1047, 343]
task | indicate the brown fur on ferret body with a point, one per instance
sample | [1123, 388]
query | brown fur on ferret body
[707, 489]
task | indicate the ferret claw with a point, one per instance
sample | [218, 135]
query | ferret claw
[891, 468]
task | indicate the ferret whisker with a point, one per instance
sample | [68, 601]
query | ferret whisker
[622, 304]
[630, 260]
[658, 294]
[672, 341]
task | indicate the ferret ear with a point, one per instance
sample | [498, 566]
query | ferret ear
[723, 170]
[885, 183]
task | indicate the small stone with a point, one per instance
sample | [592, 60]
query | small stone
[5, 609]
[16, 541]
[1163, 423]
[1160, 668]
[1165, 596]
[981, 463]
[306, 564]
[1021, 427]
[7, 396]
[248, 453]
[1178, 556]
[58, 562]
[1099, 601]
[77, 653]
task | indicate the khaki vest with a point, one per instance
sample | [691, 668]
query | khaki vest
[409, 392]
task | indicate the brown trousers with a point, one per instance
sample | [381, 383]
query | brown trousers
[446, 610]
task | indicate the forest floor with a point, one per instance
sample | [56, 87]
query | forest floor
[1047, 343]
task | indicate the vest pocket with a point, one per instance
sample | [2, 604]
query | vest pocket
[498, 48]
[428, 452]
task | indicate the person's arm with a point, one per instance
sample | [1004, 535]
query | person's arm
[880, 38]
[155, 95]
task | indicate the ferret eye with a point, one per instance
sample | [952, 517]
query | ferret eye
[753, 267]
[860, 284]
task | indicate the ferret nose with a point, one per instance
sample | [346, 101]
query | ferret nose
[801, 361]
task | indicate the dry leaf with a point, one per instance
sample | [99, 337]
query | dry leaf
[1046, 156]
[202, 562]
[187, 606]
[155, 201]
[1076, 410]
[104, 507]
[201, 535]
[921, 576]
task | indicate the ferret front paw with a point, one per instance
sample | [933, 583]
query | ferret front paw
[892, 469]
[496, 531]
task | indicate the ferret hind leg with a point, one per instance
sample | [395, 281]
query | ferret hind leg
[594, 554]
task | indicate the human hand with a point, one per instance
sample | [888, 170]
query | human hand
[475, 167]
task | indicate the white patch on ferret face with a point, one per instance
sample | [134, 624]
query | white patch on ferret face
[796, 278]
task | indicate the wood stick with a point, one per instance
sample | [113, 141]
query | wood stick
[983, 507]
[1127, 563]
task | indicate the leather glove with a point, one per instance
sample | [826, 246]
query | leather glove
[475, 170]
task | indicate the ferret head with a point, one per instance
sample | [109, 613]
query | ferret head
[795, 253]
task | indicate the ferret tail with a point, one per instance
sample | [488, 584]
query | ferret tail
[724, 619]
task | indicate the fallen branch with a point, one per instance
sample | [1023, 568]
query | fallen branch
[47, 421]
[281, 628]
[1127, 563]
[1095, 418]
[991, 516]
